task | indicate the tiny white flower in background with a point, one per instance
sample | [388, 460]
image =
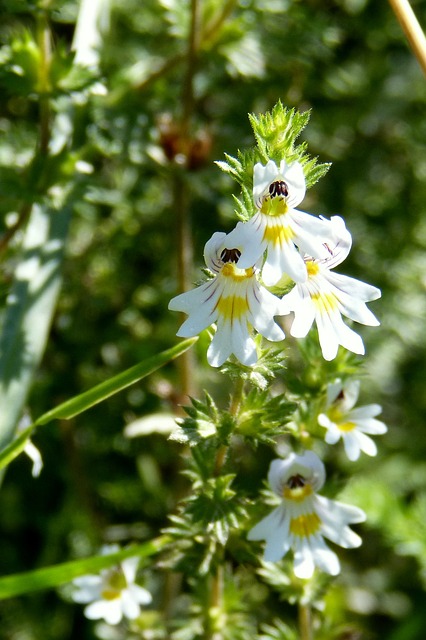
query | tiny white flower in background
[234, 299]
[343, 421]
[277, 227]
[326, 295]
[303, 518]
[112, 594]
[92, 22]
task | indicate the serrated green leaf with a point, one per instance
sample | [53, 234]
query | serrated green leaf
[193, 432]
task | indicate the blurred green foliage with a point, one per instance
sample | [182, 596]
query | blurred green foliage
[347, 60]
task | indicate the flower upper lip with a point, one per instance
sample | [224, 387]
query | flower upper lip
[290, 175]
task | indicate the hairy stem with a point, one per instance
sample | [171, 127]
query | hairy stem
[412, 29]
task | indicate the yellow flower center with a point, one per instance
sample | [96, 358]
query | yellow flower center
[114, 584]
[298, 494]
[110, 594]
[312, 268]
[232, 307]
[274, 206]
[305, 525]
[230, 270]
[338, 418]
[278, 234]
[347, 426]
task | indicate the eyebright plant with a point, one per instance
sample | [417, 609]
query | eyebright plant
[274, 269]
[277, 261]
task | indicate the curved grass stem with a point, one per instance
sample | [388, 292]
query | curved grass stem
[412, 29]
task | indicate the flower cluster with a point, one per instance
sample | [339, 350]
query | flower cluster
[278, 240]
[304, 518]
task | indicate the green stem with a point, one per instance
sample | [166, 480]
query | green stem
[212, 30]
[213, 629]
[234, 408]
[44, 43]
[305, 622]
[237, 397]
[216, 593]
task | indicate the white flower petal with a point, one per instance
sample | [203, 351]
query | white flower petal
[366, 444]
[353, 287]
[366, 412]
[328, 339]
[333, 434]
[277, 543]
[311, 234]
[141, 595]
[86, 594]
[371, 426]
[243, 345]
[333, 390]
[335, 516]
[324, 558]
[304, 312]
[199, 319]
[220, 347]
[338, 241]
[352, 445]
[212, 250]
[348, 338]
[263, 528]
[350, 395]
[281, 259]
[130, 567]
[308, 465]
[303, 559]
[355, 309]
[263, 175]
[295, 178]
[247, 237]
[109, 610]
[129, 605]
[263, 307]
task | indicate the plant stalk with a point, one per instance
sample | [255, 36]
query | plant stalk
[412, 29]
[181, 195]
[305, 622]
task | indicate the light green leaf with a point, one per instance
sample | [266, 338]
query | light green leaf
[80, 403]
[59, 574]
[104, 390]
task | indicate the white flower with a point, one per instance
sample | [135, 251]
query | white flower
[352, 425]
[303, 518]
[326, 295]
[277, 227]
[113, 593]
[234, 300]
